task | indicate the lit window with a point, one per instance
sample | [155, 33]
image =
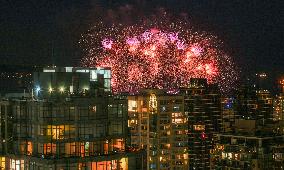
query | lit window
[153, 102]
[94, 109]
[176, 108]
[199, 127]
[132, 105]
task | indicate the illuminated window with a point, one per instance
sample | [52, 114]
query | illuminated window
[179, 114]
[177, 118]
[70, 149]
[229, 155]
[153, 102]
[278, 156]
[132, 105]
[82, 149]
[57, 132]
[179, 132]
[29, 148]
[118, 145]
[163, 108]
[106, 147]
[105, 165]
[2, 163]
[49, 148]
[176, 108]
[199, 127]
[15, 164]
[94, 109]
[144, 109]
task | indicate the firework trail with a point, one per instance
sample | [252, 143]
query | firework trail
[157, 55]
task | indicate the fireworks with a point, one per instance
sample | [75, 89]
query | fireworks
[157, 55]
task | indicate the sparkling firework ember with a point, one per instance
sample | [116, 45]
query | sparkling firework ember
[157, 56]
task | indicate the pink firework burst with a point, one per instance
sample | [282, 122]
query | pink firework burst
[161, 56]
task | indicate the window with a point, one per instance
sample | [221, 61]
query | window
[99, 130]
[49, 149]
[26, 148]
[2, 163]
[72, 113]
[70, 149]
[115, 128]
[132, 105]
[17, 164]
[199, 127]
[56, 132]
[112, 111]
[84, 113]
[93, 109]
[44, 112]
[118, 144]
[163, 108]
[177, 118]
[120, 110]
[163, 102]
[176, 108]
[85, 131]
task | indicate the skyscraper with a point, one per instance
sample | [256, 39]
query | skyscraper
[255, 142]
[72, 122]
[203, 107]
[158, 124]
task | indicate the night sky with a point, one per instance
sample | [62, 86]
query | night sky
[43, 32]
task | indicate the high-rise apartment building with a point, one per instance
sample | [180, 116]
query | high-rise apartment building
[71, 122]
[158, 124]
[255, 141]
[203, 107]
[255, 105]
[228, 114]
[278, 104]
[176, 130]
[250, 152]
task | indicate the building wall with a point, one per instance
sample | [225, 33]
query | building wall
[158, 124]
[203, 107]
[71, 121]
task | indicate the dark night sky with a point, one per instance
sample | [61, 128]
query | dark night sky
[252, 30]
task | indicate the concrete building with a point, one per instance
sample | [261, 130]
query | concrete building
[72, 121]
[228, 114]
[203, 107]
[176, 130]
[255, 141]
[159, 125]
[278, 104]
[251, 152]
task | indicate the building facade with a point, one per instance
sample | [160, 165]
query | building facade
[71, 122]
[158, 125]
[203, 107]
[255, 141]
[251, 152]
[176, 130]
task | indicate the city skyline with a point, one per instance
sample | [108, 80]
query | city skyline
[142, 85]
[71, 119]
